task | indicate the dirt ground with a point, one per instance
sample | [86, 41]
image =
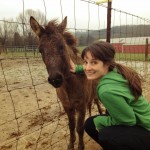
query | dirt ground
[31, 115]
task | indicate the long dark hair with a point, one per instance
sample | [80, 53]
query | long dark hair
[105, 52]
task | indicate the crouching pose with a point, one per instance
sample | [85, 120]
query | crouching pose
[127, 124]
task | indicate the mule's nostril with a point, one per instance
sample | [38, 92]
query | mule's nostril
[56, 82]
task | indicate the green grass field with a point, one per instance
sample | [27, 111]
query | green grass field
[119, 56]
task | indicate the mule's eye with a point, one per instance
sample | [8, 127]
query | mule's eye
[60, 48]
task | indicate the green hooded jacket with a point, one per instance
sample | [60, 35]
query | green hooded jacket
[114, 92]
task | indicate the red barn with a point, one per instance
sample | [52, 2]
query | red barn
[130, 45]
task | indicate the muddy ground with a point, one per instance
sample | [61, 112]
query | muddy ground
[31, 115]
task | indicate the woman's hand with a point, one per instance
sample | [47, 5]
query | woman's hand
[72, 66]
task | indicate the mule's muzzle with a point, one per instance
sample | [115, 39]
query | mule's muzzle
[57, 82]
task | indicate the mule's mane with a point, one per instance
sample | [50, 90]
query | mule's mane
[53, 28]
[71, 41]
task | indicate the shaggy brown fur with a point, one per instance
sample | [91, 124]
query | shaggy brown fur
[76, 93]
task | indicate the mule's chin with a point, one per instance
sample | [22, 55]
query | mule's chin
[56, 83]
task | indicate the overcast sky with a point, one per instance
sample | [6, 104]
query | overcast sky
[12, 8]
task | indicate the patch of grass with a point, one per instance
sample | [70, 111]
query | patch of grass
[131, 56]
[119, 56]
[21, 54]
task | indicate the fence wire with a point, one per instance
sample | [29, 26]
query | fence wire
[32, 116]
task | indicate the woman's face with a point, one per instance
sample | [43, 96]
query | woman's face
[94, 68]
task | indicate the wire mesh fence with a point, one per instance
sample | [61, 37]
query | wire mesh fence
[32, 116]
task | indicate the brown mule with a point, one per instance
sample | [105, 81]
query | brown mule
[76, 93]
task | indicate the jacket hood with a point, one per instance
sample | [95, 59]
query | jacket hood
[112, 77]
[112, 81]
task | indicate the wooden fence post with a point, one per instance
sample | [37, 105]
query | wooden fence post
[146, 50]
[108, 21]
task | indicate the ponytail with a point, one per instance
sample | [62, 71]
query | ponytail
[134, 79]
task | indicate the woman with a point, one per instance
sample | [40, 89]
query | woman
[127, 124]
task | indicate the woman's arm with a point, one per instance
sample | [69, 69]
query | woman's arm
[120, 112]
[75, 68]
[72, 66]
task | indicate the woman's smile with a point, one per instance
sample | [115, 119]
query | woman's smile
[94, 68]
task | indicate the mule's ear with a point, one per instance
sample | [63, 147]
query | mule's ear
[35, 26]
[62, 26]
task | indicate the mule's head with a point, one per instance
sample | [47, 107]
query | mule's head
[53, 48]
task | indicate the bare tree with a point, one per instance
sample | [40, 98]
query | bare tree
[4, 29]
[23, 19]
